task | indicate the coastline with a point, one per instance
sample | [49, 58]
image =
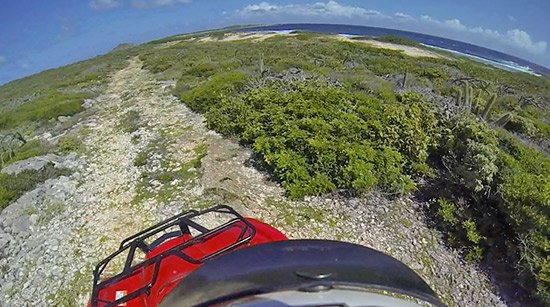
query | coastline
[512, 66]
[481, 54]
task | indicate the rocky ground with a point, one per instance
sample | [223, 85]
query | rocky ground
[145, 157]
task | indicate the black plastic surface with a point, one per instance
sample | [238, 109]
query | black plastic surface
[273, 267]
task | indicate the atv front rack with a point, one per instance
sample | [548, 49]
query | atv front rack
[185, 224]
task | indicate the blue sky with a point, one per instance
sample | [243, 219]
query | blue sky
[37, 35]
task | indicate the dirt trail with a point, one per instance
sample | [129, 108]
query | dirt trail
[147, 157]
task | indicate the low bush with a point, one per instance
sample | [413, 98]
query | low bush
[521, 125]
[461, 227]
[31, 149]
[155, 62]
[508, 103]
[506, 183]
[69, 143]
[524, 190]
[201, 70]
[141, 159]
[471, 154]
[317, 139]
[43, 108]
[130, 121]
[394, 39]
[448, 212]
[13, 186]
[202, 97]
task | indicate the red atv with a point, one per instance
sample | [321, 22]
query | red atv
[244, 262]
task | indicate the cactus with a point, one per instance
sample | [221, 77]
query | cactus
[475, 102]
[467, 95]
[459, 98]
[261, 64]
[475, 106]
[469, 99]
[501, 122]
[489, 106]
[405, 83]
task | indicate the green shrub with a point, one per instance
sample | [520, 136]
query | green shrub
[360, 170]
[13, 186]
[6, 195]
[447, 211]
[165, 177]
[525, 199]
[394, 39]
[216, 34]
[69, 143]
[156, 63]
[386, 92]
[471, 154]
[30, 149]
[474, 254]
[433, 73]
[543, 278]
[389, 169]
[318, 139]
[200, 152]
[543, 128]
[140, 159]
[202, 97]
[130, 121]
[471, 231]
[521, 125]
[516, 179]
[43, 108]
[508, 103]
[201, 70]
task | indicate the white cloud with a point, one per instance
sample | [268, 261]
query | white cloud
[486, 32]
[455, 24]
[143, 4]
[261, 8]
[169, 2]
[514, 38]
[319, 9]
[3, 60]
[403, 16]
[523, 39]
[100, 5]
[426, 18]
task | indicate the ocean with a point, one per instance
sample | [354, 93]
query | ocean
[477, 53]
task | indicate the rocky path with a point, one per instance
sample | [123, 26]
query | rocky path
[145, 157]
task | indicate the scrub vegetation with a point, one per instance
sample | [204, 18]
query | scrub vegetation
[325, 115]
[13, 186]
[32, 105]
[359, 117]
